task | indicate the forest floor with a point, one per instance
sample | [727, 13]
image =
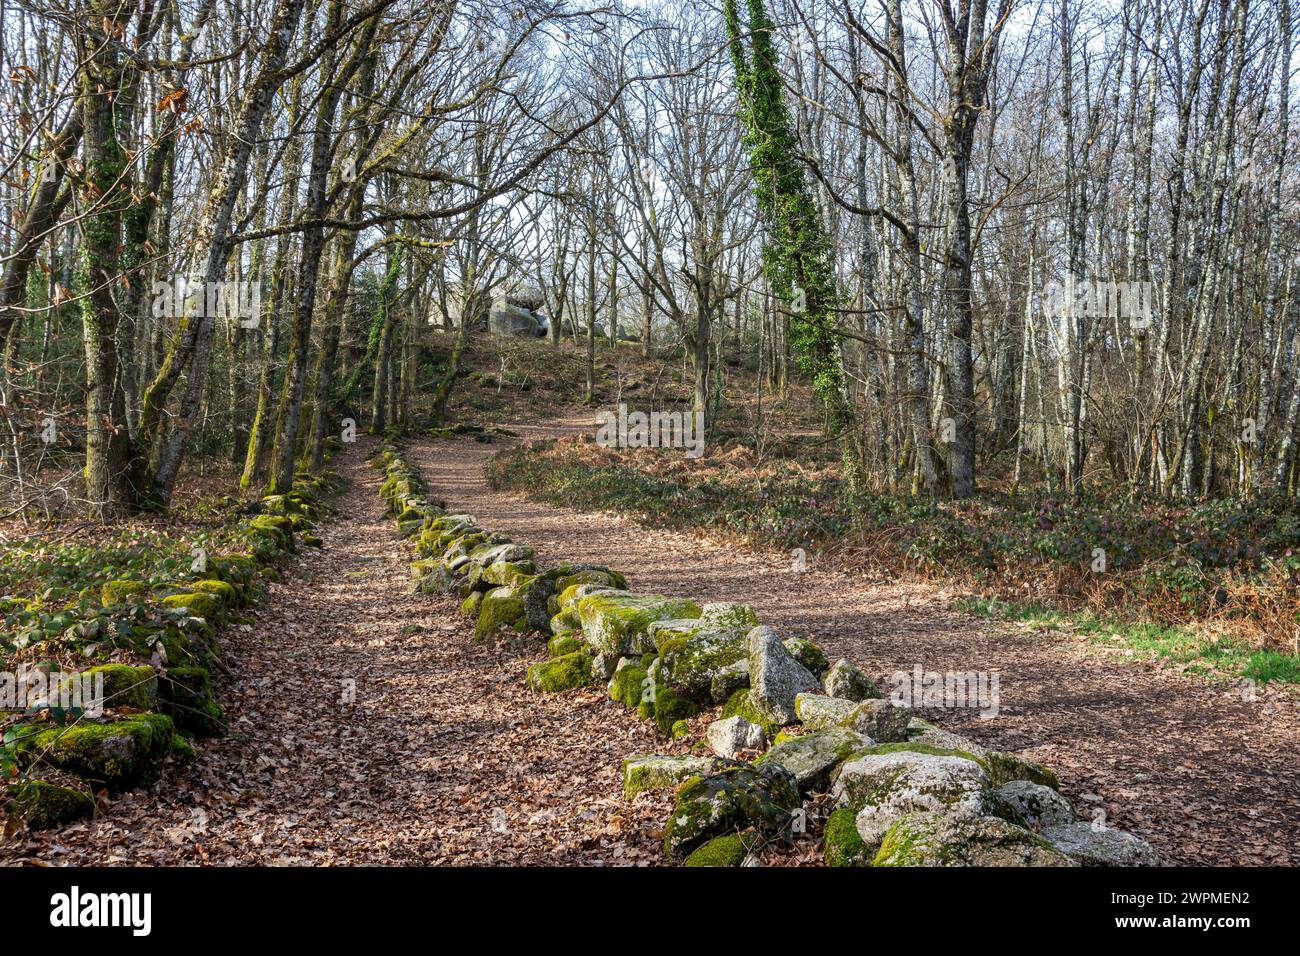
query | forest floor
[444, 756]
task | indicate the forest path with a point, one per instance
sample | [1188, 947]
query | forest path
[1206, 776]
[443, 757]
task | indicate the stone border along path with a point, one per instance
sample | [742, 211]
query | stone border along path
[164, 700]
[1205, 776]
[444, 756]
[902, 792]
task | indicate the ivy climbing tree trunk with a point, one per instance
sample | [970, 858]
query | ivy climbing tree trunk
[797, 255]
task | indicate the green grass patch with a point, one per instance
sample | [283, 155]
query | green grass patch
[1195, 651]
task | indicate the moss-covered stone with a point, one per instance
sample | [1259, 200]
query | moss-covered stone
[726, 850]
[500, 607]
[599, 576]
[812, 657]
[562, 644]
[182, 750]
[122, 592]
[238, 570]
[1004, 767]
[690, 662]
[120, 755]
[277, 529]
[513, 573]
[616, 622]
[222, 590]
[739, 705]
[846, 682]
[671, 708]
[185, 695]
[202, 605]
[732, 798]
[472, 605]
[561, 673]
[841, 844]
[936, 839]
[813, 757]
[681, 729]
[629, 682]
[655, 772]
[729, 616]
[43, 806]
[125, 686]
[884, 786]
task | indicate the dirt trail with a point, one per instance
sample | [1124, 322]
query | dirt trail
[443, 757]
[1205, 776]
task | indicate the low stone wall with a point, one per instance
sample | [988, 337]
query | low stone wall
[801, 741]
[166, 696]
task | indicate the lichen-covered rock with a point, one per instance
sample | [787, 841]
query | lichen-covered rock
[729, 616]
[656, 772]
[730, 735]
[817, 711]
[1003, 767]
[732, 798]
[726, 850]
[589, 574]
[1093, 844]
[1037, 806]
[846, 682]
[438, 579]
[812, 657]
[689, 663]
[841, 844]
[813, 757]
[512, 573]
[775, 678]
[507, 552]
[884, 785]
[937, 839]
[568, 598]
[124, 686]
[501, 607]
[122, 592]
[616, 622]
[740, 705]
[562, 673]
[43, 806]
[880, 720]
[726, 682]
[923, 732]
[540, 594]
[120, 755]
[659, 633]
